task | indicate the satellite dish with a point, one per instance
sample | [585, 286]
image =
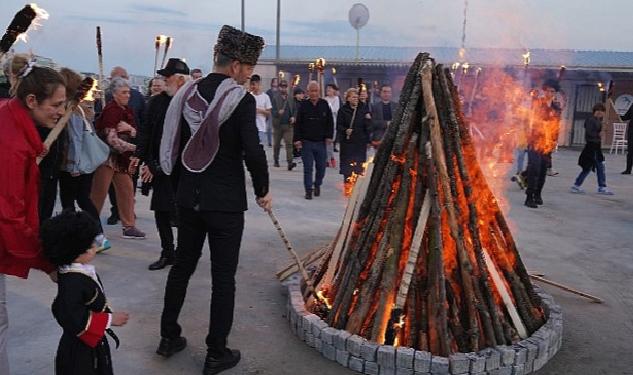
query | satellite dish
[358, 15]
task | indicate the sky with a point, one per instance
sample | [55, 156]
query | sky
[129, 27]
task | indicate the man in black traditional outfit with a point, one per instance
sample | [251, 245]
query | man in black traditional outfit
[163, 202]
[209, 133]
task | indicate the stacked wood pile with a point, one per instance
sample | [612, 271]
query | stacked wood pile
[424, 257]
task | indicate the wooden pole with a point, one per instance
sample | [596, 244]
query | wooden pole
[100, 61]
[293, 253]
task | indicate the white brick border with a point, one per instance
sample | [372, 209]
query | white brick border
[363, 356]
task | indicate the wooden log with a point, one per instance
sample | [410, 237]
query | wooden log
[357, 257]
[523, 285]
[440, 162]
[390, 276]
[466, 184]
[408, 102]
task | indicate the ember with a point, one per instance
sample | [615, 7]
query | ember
[424, 257]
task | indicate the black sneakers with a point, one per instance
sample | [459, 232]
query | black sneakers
[530, 201]
[169, 347]
[161, 263]
[218, 362]
[308, 194]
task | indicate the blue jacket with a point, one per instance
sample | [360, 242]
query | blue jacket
[75, 132]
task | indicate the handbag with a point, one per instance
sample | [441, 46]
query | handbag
[94, 151]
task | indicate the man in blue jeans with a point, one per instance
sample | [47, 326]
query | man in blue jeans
[591, 157]
[314, 129]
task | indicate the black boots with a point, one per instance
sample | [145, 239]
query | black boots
[317, 191]
[218, 361]
[291, 165]
[530, 200]
[309, 194]
[169, 347]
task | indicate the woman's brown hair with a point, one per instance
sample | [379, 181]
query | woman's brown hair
[41, 82]
[73, 81]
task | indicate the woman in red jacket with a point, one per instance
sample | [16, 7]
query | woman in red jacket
[40, 100]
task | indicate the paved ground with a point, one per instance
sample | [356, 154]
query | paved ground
[583, 241]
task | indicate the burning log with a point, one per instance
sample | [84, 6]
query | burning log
[428, 261]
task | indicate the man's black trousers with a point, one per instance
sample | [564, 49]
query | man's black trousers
[224, 231]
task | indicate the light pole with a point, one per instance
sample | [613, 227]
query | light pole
[242, 15]
[277, 47]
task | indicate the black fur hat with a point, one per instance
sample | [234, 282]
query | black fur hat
[239, 45]
[67, 236]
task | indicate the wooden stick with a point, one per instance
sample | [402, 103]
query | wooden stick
[307, 260]
[418, 236]
[294, 254]
[56, 131]
[566, 288]
[505, 296]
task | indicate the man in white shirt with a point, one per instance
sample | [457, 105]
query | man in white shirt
[264, 106]
[335, 104]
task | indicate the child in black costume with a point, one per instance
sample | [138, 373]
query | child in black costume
[80, 307]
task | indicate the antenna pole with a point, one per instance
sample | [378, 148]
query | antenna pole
[357, 45]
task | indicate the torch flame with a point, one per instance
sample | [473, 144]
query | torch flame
[281, 74]
[455, 66]
[40, 15]
[90, 93]
[526, 58]
[296, 79]
[333, 71]
[465, 67]
[162, 39]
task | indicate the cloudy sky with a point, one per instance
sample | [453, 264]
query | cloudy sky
[129, 27]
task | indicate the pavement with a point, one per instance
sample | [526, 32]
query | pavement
[584, 241]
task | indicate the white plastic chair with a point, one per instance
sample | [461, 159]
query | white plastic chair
[619, 141]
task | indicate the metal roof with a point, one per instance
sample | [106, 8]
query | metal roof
[572, 59]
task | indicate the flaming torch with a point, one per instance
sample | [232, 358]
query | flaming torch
[100, 58]
[334, 76]
[310, 69]
[29, 16]
[167, 46]
[295, 80]
[160, 39]
[84, 92]
[320, 67]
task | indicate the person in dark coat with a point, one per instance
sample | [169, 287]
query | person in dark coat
[353, 126]
[542, 141]
[211, 191]
[163, 202]
[81, 307]
[382, 114]
[314, 129]
[591, 157]
[628, 116]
